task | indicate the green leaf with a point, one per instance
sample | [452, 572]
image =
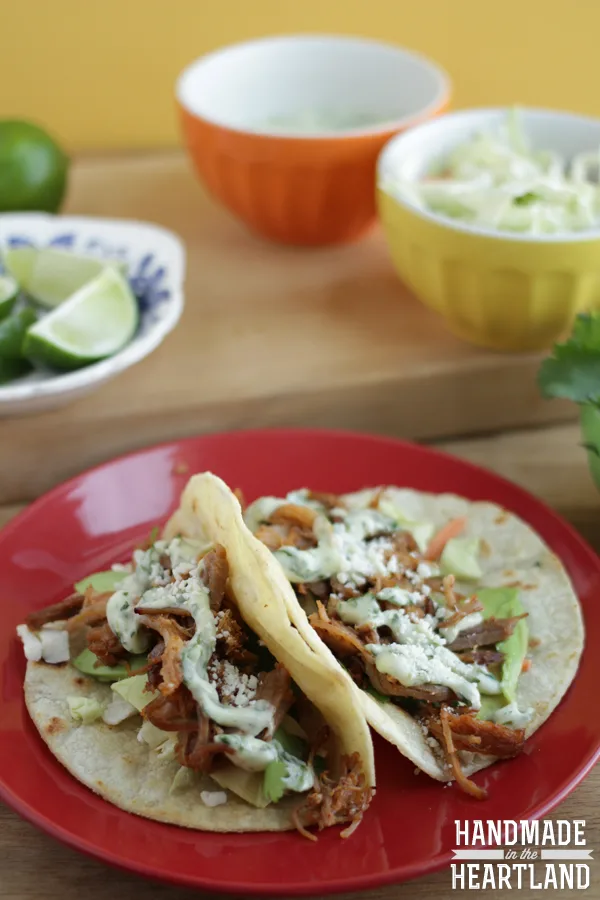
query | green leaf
[319, 764]
[503, 603]
[100, 581]
[573, 370]
[153, 536]
[381, 697]
[273, 786]
[292, 744]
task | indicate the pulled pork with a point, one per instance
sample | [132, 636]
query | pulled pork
[345, 642]
[173, 638]
[289, 525]
[55, 613]
[489, 632]
[102, 641]
[232, 639]
[275, 687]
[195, 749]
[216, 573]
[458, 730]
[335, 801]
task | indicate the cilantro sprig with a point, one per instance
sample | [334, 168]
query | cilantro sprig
[573, 370]
[573, 373]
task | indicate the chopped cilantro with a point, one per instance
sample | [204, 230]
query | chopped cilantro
[319, 764]
[292, 744]
[381, 697]
[273, 786]
[526, 199]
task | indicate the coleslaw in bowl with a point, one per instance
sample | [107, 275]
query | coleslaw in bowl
[507, 245]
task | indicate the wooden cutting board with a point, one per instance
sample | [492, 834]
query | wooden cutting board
[270, 336]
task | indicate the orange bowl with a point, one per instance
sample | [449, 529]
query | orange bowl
[286, 131]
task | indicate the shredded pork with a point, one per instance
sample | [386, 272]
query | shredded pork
[102, 641]
[174, 637]
[335, 801]
[276, 687]
[65, 609]
[489, 632]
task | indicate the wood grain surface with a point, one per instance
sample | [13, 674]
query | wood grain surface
[270, 335]
[548, 462]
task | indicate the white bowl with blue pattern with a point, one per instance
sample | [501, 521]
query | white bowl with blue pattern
[155, 261]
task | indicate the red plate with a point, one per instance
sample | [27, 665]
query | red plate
[96, 518]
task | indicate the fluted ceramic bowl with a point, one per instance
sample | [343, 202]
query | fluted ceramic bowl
[240, 109]
[502, 290]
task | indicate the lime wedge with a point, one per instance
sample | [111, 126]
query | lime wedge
[9, 290]
[19, 262]
[12, 333]
[13, 368]
[51, 276]
[95, 322]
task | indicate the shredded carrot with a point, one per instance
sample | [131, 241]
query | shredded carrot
[451, 530]
[468, 786]
[526, 665]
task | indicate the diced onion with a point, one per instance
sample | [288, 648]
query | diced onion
[32, 646]
[118, 711]
[55, 646]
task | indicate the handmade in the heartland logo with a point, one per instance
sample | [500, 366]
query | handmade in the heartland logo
[540, 854]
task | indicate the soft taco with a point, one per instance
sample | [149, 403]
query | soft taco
[456, 622]
[177, 687]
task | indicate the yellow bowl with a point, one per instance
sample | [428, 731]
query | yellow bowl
[507, 291]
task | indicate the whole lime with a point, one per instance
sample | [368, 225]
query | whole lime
[33, 168]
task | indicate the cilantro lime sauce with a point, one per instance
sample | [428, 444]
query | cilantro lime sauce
[255, 755]
[150, 586]
[148, 573]
[512, 715]
[358, 545]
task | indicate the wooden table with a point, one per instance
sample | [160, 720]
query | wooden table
[279, 336]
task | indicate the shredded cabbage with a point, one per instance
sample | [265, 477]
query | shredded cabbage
[497, 180]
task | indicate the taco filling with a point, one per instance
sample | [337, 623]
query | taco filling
[167, 635]
[397, 603]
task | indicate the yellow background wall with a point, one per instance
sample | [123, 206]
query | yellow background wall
[100, 73]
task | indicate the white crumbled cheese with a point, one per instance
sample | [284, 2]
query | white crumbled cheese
[32, 646]
[399, 596]
[55, 646]
[360, 558]
[425, 590]
[213, 798]
[238, 688]
[181, 571]
[424, 570]
[121, 567]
